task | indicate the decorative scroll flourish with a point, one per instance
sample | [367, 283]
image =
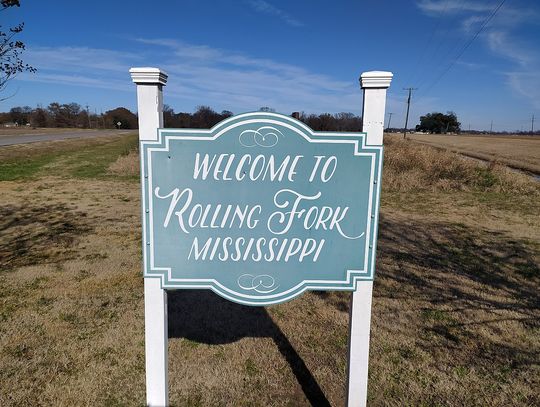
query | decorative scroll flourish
[265, 136]
[262, 284]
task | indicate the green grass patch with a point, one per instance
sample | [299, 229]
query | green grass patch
[485, 178]
[251, 367]
[21, 168]
[435, 315]
[190, 343]
[75, 158]
[94, 162]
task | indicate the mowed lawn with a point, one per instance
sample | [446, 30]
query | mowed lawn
[456, 307]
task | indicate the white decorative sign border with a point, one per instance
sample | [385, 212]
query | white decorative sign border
[162, 144]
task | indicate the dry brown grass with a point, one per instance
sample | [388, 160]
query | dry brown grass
[126, 165]
[456, 313]
[519, 152]
[412, 167]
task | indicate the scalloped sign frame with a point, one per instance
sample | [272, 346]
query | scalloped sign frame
[260, 208]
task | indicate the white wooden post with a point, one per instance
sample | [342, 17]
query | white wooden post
[374, 85]
[150, 82]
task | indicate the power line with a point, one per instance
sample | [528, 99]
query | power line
[428, 43]
[439, 61]
[466, 45]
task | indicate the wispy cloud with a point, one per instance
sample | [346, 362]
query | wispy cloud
[79, 58]
[264, 7]
[471, 65]
[452, 6]
[80, 80]
[472, 13]
[526, 83]
[200, 74]
[500, 37]
[245, 82]
[501, 43]
[471, 23]
[523, 79]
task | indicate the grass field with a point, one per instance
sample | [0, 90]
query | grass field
[13, 131]
[520, 152]
[456, 307]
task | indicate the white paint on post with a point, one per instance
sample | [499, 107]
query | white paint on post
[359, 344]
[374, 85]
[156, 343]
[150, 109]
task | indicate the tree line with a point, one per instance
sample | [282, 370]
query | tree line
[68, 115]
[204, 117]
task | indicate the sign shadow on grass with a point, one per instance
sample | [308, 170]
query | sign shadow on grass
[218, 321]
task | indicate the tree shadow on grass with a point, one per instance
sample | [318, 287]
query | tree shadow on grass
[204, 317]
[32, 235]
[445, 262]
[467, 284]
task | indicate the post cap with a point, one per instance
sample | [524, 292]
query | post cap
[376, 79]
[148, 75]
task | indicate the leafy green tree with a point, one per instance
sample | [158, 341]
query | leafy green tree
[10, 49]
[439, 123]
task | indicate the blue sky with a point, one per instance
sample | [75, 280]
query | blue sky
[288, 55]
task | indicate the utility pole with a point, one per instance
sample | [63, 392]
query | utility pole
[491, 127]
[532, 124]
[88, 116]
[408, 107]
[389, 118]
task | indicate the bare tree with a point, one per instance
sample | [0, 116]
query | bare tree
[10, 50]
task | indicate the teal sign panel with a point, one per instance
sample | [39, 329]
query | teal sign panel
[260, 208]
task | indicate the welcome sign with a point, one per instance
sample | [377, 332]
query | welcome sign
[260, 208]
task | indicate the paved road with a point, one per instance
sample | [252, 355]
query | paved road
[37, 135]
